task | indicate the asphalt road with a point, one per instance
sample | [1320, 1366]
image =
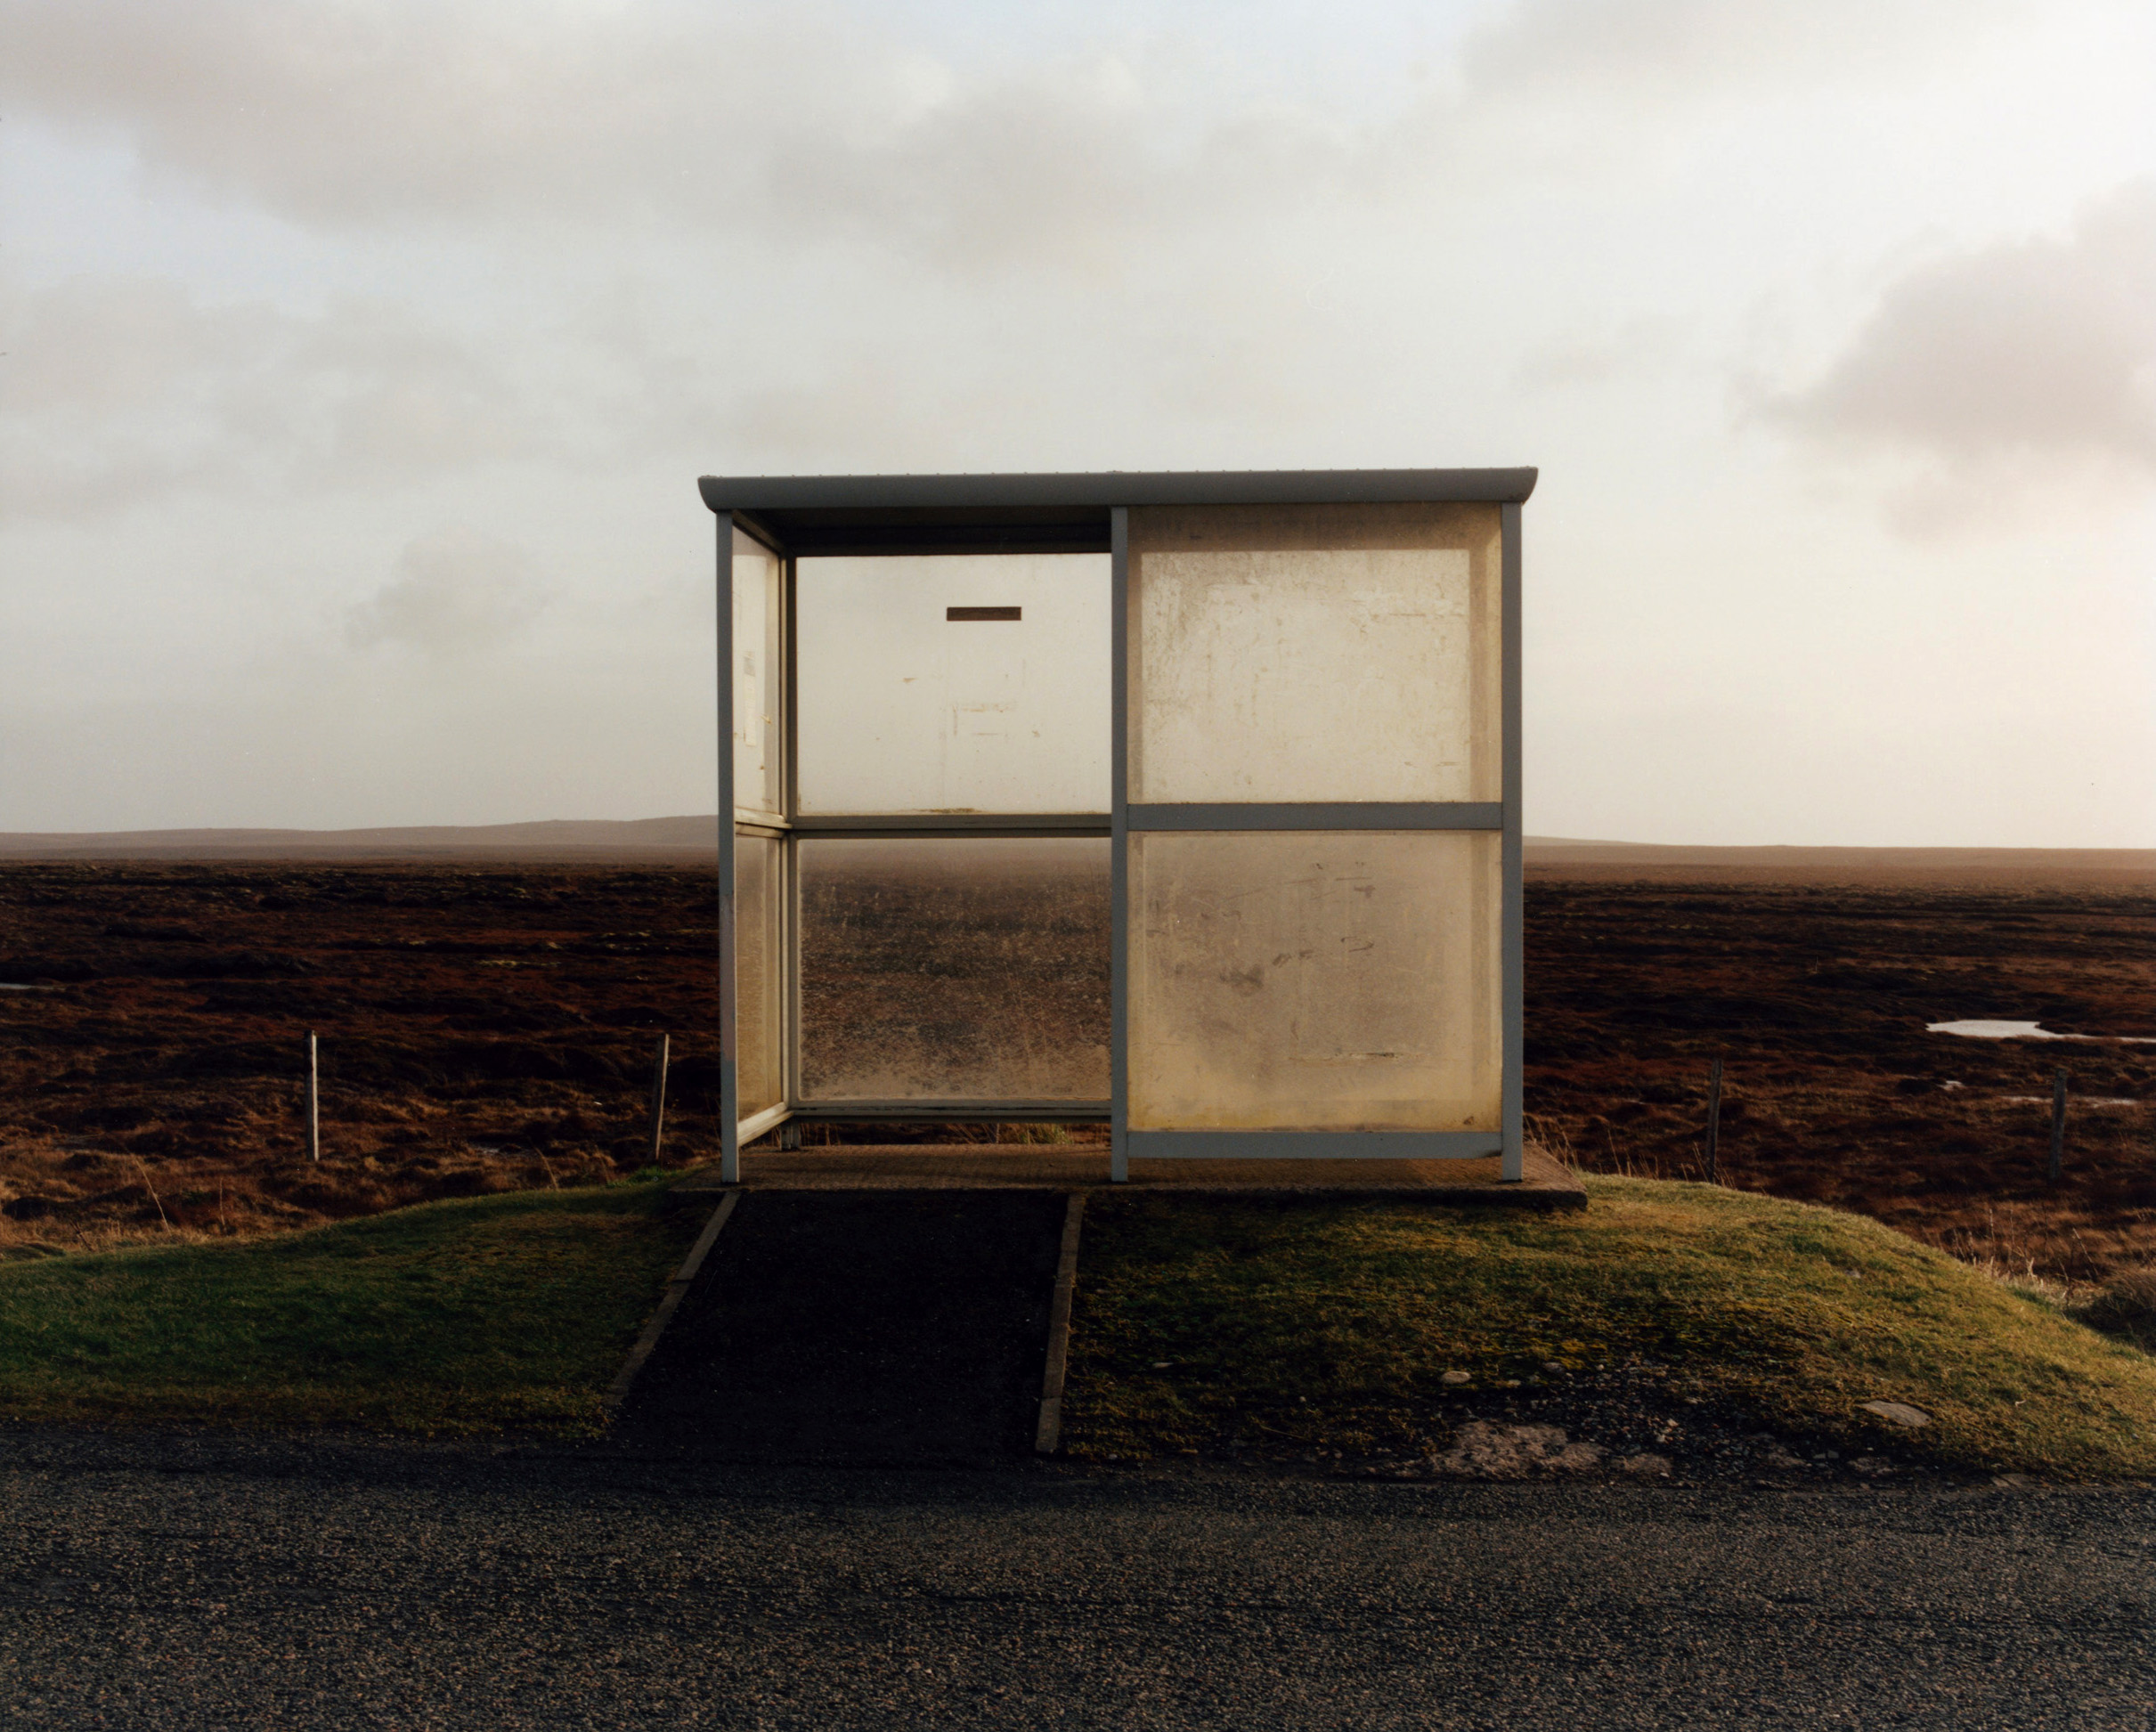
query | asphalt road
[212, 1581]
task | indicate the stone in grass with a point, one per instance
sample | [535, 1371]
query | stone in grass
[1899, 1413]
[1455, 1378]
[1483, 1450]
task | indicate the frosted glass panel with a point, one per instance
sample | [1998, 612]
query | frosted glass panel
[1315, 652]
[960, 683]
[759, 954]
[757, 695]
[1315, 980]
[954, 968]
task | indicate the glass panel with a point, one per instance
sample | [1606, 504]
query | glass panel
[954, 683]
[1315, 980]
[1315, 652]
[759, 955]
[757, 694]
[974, 968]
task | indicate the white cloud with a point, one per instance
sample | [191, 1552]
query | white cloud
[456, 593]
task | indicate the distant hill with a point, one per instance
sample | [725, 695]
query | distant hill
[554, 838]
[688, 840]
[1561, 857]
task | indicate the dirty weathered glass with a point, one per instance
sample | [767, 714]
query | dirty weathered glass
[1315, 980]
[758, 696]
[945, 968]
[1315, 652]
[961, 683]
[759, 955]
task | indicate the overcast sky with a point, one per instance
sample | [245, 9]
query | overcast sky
[360, 360]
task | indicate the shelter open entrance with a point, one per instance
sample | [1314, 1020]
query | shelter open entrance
[1186, 804]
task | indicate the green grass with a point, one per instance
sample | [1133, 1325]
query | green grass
[1329, 1325]
[474, 1315]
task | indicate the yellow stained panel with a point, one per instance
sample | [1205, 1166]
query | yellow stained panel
[1315, 980]
[1315, 652]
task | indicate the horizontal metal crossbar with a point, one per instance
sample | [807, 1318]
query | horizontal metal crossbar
[1315, 1145]
[1064, 1112]
[954, 824]
[1340, 815]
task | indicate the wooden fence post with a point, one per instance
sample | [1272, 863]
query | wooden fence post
[2058, 1125]
[1713, 1119]
[658, 1098]
[313, 1100]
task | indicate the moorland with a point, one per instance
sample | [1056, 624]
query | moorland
[489, 1026]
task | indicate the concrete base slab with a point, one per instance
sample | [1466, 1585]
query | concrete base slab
[977, 1166]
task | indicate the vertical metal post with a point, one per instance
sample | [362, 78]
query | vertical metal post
[788, 887]
[313, 1101]
[2058, 1126]
[1118, 862]
[658, 1098]
[729, 1033]
[1512, 941]
[1713, 1120]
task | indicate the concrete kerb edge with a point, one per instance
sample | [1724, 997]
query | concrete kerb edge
[677, 1287]
[1048, 1435]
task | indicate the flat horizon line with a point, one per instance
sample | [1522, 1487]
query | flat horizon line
[686, 834]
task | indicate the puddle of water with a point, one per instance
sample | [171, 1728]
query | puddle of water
[1986, 1029]
[2072, 1099]
[9, 985]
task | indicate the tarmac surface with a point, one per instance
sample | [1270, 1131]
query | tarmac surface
[154, 1580]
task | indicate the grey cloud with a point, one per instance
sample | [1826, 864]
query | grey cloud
[2042, 347]
[119, 389]
[455, 592]
[1645, 343]
[368, 112]
[803, 120]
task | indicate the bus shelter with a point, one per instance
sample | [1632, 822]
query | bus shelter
[1188, 803]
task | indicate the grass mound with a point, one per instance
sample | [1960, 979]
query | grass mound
[1331, 1326]
[468, 1315]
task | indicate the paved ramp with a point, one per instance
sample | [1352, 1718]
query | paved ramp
[888, 1326]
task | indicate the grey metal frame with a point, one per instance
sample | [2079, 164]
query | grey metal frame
[1512, 930]
[801, 516]
[1342, 815]
[1316, 1145]
[729, 1029]
[968, 1108]
[959, 824]
[1119, 850]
